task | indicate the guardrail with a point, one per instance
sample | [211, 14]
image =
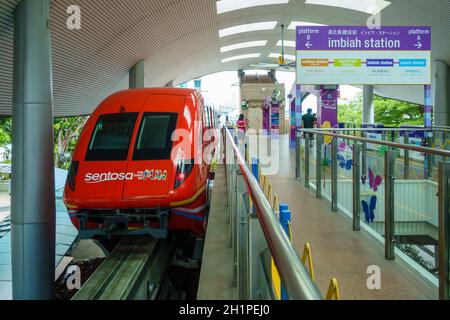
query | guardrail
[407, 214]
[257, 236]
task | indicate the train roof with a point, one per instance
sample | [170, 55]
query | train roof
[163, 91]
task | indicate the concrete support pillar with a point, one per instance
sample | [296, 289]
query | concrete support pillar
[33, 182]
[442, 95]
[137, 76]
[368, 105]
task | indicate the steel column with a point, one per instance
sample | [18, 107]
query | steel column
[406, 158]
[307, 155]
[298, 146]
[137, 75]
[368, 105]
[319, 157]
[334, 175]
[389, 231]
[356, 187]
[444, 231]
[33, 180]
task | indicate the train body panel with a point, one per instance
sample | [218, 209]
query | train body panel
[139, 164]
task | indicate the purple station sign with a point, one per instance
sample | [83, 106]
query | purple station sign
[362, 38]
[357, 55]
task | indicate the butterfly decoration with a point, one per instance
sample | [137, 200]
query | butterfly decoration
[342, 146]
[369, 209]
[374, 181]
[344, 163]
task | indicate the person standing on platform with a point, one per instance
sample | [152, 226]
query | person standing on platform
[242, 124]
[309, 120]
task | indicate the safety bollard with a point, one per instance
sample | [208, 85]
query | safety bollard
[285, 220]
[256, 173]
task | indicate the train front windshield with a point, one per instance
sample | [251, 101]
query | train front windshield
[154, 140]
[112, 137]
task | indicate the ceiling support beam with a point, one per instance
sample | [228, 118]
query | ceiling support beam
[442, 97]
[33, 175]
[368, 105]
[137, 75]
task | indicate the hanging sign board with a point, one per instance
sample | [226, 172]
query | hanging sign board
[341, 55]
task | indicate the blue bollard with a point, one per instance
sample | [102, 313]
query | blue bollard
[285, 219]
[255, 171]
[283, 207]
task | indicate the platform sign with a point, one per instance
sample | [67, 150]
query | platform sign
[341, 55]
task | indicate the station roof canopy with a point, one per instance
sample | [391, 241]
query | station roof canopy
[180, 40]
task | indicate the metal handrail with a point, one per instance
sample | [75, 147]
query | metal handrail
[294, 275]
[437, 152]
[375, 129]
[434, 128]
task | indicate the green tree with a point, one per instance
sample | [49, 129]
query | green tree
[352, 111]
[5, 131]
[67, 131]
[390, 112]
[395, 113]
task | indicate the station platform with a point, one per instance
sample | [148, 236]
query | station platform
[337, 251]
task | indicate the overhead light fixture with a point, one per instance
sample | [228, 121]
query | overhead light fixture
[259, 26]
[286, 56]
[295, 24]
[243, 45]
[289, 44]
[232, 5]
[241, 57]
[367, 6]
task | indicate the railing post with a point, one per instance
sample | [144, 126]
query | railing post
[364, 156]
[334, 175]
[319, 157]
[406, 159]
[307, 155]
[429, 158]
[444, 231]
[356, 187]
[389, 227]
[298, 159]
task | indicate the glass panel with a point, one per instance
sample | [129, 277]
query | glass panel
[416, 216]
[345, 176]
[372, 188]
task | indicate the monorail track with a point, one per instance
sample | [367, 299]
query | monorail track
[136, 270]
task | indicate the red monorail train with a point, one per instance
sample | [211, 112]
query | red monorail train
[139, 165]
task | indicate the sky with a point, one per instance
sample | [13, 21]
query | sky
[222, 89]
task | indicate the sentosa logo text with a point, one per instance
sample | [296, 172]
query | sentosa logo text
[110, 176]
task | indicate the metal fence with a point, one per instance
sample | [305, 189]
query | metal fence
[257, 237]
[375, 182]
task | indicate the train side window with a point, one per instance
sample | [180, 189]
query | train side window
[111, 138]
[154, 140]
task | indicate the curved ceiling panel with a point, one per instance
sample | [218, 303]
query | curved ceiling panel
[179, 40]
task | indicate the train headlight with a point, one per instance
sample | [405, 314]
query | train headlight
[184, 169]
[72, 176]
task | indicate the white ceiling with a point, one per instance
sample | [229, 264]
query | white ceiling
[179, 40]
